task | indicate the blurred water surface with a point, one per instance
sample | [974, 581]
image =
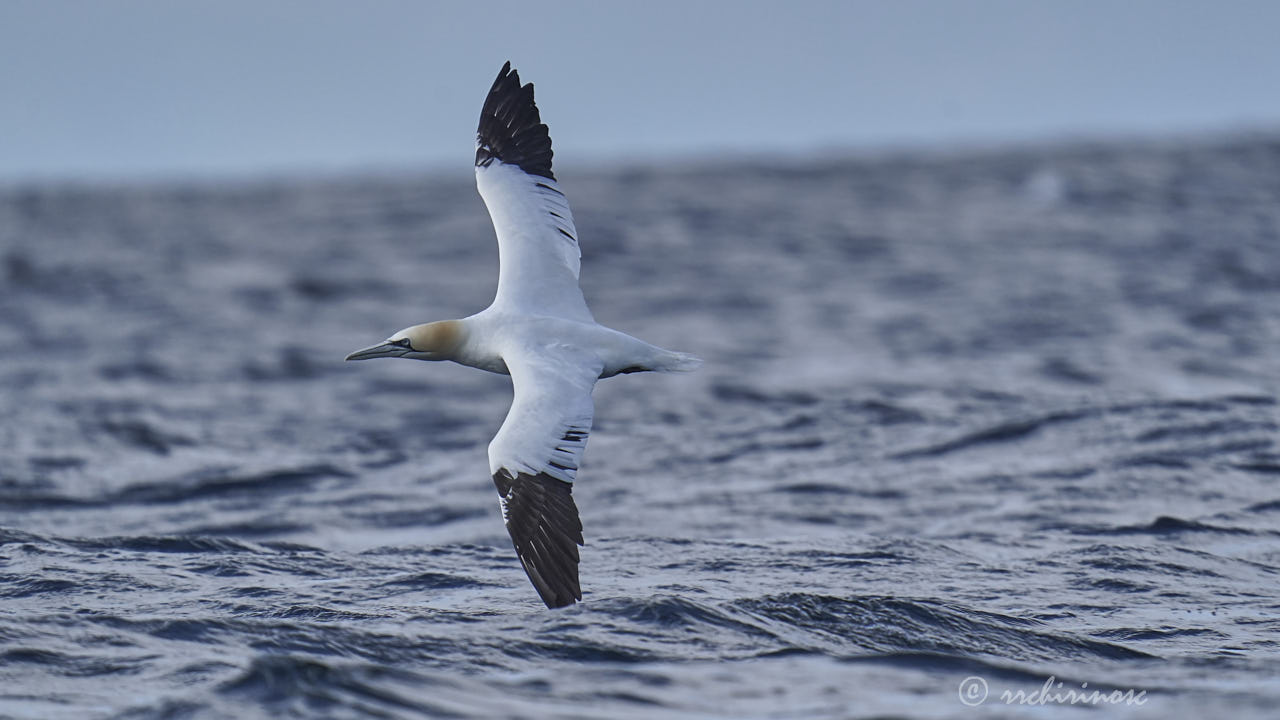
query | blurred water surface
[1007, 414]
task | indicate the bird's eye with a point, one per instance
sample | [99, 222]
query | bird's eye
[402, 342]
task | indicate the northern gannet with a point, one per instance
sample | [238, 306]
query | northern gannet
[537, 330]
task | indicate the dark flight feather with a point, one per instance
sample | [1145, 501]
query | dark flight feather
[543, 522]
[511, 131]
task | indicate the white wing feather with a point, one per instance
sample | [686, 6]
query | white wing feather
[537, 243]
[551, 410]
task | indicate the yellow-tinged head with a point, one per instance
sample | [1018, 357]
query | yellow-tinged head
[429, 341]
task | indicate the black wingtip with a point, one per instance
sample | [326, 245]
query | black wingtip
[511, 130]
[545, 529]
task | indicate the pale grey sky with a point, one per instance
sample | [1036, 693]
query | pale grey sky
[147, 88]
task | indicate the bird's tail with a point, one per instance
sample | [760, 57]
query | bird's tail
[678, 362]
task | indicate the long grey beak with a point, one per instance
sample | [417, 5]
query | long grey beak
[385, 349]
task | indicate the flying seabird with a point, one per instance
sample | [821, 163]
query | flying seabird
[537, 330]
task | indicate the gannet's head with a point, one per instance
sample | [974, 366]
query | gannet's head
[430, 341]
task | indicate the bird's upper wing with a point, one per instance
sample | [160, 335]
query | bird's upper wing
[537, 242]
[534, 459]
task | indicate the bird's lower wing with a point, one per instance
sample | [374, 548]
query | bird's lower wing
[534, 459]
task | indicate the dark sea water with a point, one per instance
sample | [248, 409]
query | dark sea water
[1008, 415]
